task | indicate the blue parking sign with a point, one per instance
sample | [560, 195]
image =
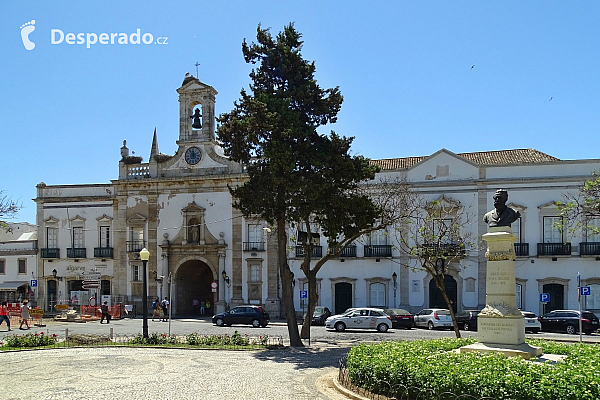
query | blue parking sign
[586, 291]
[33, 283]
[304, 294]
[544, 297]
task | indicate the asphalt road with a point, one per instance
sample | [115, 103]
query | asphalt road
[319, 335]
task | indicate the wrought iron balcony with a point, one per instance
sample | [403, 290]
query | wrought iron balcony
[103, 252]
[589, 249]
[50, 253]
[554, 249]
[77, 252]
[378, 250]
[522, 249]
[435, 250]
[254, 246]
[349, 251]
[135, 246]
[317, 251]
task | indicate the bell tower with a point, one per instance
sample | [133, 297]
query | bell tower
[196, 111]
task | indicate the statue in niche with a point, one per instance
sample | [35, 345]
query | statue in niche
[194, 234]
[196, 119]
[501, 215]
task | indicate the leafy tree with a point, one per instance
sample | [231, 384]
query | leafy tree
[295, 174]
[437, 237]
[581, 211]
[8, 209]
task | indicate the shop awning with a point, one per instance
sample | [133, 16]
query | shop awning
[12, 286]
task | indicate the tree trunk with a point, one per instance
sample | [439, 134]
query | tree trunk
[287, 293]
[313, 299]
[439, 282]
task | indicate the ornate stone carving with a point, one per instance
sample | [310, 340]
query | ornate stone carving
[501, 255]
[499, 310]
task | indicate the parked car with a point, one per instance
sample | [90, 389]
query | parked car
[568, 321]
[246, 315]
[320, 315]
[532, 322]
[431, 318]
[400, 318]
[360, 318]
[467, 319]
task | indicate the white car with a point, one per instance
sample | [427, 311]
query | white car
[431, 318]
[360, 318]
[532, 322]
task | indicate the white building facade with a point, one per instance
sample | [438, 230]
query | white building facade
[18, 262]
[180, 209]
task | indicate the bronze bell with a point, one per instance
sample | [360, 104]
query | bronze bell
[196, 123]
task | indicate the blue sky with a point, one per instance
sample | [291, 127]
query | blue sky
[404, 68]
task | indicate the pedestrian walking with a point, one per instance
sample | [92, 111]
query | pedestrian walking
[25, 314]
[156, 309]
[195, 304]
[207, 306]
[4, 315]
[165, 307]
[105, 314]
[202, 307]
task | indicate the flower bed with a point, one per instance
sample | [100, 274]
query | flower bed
[428, 369]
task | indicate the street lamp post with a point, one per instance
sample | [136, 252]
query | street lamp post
[145, 256]
[395, 278]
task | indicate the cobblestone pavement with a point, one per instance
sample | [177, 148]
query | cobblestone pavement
[153, 373]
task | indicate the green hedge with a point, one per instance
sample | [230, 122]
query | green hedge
[430, 367]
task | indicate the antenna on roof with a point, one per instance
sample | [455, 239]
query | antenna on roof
[197, 64]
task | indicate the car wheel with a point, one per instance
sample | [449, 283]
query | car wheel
[466, 326]
[340, 327]
[430, 325]
[382, 327]
[255, 323]
[570, 329]
[219, 322]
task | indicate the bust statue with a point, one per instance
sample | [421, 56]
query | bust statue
[501, 215]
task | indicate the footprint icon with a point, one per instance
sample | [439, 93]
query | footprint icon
[26, 29]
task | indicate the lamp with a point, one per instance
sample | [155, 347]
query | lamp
[395, 278]
[225, 277]
[54, 272]
[145, 256]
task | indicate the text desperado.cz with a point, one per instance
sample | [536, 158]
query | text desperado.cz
[57, 37]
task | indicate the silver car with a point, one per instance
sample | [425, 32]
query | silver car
[431, 318]
[532, 322]
[360, 318]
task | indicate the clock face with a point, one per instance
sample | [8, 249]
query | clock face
[192, 155]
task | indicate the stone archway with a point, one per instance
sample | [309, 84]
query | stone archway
[193, 279]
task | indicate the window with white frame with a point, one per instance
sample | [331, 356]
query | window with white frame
[254, 233]
[105, 236]
[516, 229]
[592, 302]
[255, 273]
[593, 226]
[52, 237]
[136, 273]
[2, 266]
[519, 292]
[377, 294]
[22, 263]
[78, 237]
[378, 237]
[551, 232]
[137, 234]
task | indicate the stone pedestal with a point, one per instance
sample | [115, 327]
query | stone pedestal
[500, 325]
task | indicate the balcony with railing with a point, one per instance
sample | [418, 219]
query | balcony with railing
[254, 246]
[135, 246]
[378, 250]
[522, 249]
[349, 251]
[554, 249]
[589, 249]
[317, 251]
[50, 253]
[103, 252]
[76, 252]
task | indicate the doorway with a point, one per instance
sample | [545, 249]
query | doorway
[557, 296]
[436, 300]
[193, 282]
[343, 297]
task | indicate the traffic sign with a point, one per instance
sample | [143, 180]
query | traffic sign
[33, 283]
[544, 297]
[586, 290]
[61, 307]
[214, 285]
[36, 311]
[304, 294]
